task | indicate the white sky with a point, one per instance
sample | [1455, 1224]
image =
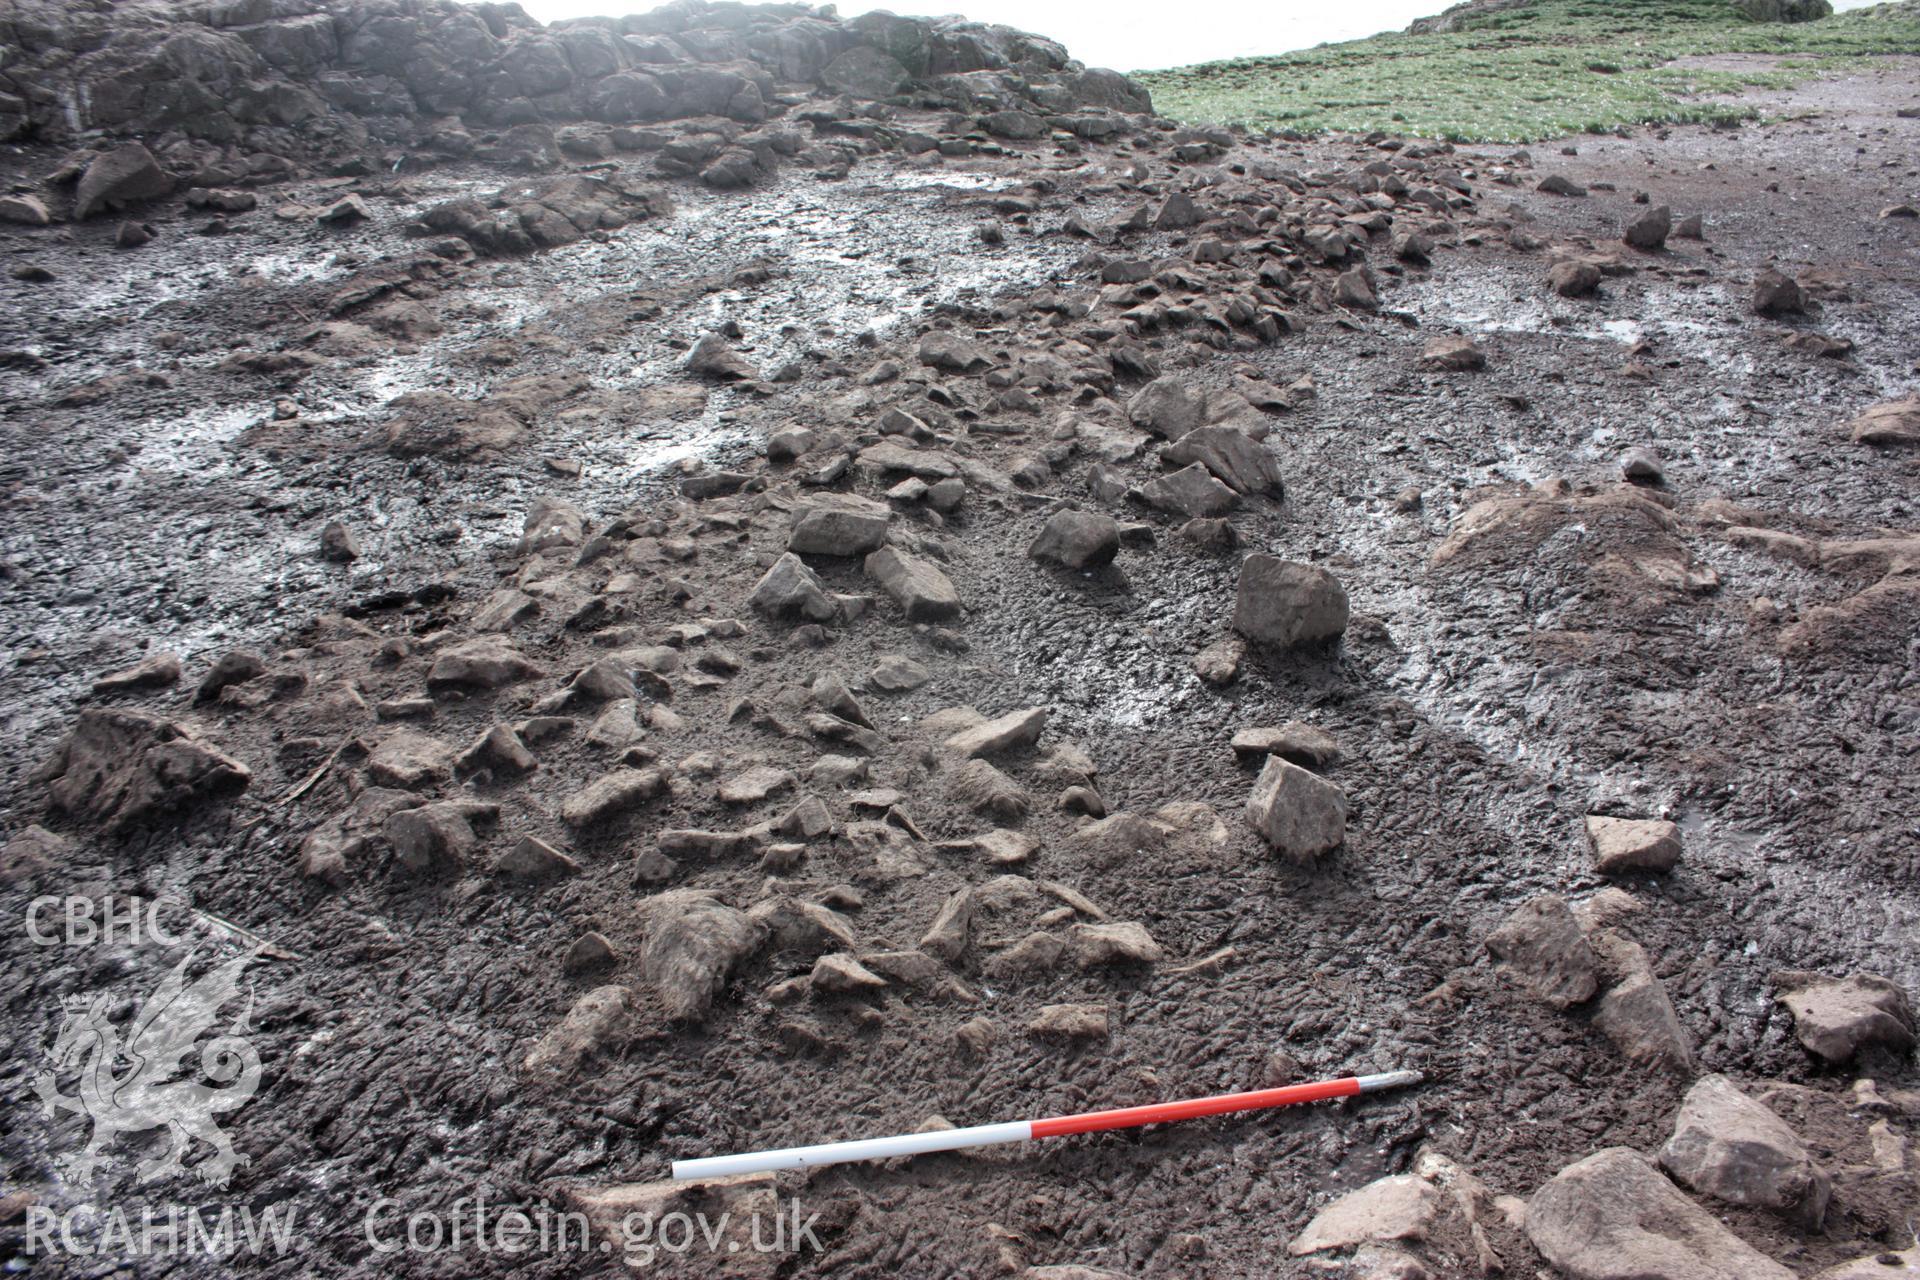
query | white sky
[1134, 35]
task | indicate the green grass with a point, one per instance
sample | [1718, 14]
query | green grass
[1549, 69]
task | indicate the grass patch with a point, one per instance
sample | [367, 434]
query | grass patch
[1548, 69]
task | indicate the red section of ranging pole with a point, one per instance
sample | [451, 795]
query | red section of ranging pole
[1194, 1108]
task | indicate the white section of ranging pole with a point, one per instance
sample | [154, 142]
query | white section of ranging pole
[1388, 1080]
[900, 1144]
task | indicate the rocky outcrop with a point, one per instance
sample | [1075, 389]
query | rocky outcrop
[303, 78]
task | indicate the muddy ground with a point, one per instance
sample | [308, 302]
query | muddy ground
[1483, 708]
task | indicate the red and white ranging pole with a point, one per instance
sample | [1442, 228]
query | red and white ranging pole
[986, 1135]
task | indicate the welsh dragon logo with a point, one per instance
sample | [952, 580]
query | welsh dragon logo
[134, 1085]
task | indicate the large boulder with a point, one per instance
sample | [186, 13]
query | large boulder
[124, 176]
[1299, 813]
[1733, 1148]
[1613, 1216]
[121, 768]
[1289, 605]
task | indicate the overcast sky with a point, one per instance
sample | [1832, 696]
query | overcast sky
[1133, 35]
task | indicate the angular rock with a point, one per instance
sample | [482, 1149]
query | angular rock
[236, 666]
[1733, 1148]
[1546, 952]
[838, 973]
[409, 760]
[600, 1020]
[1650, 229]
[714, 357]
[1010, 732]
[1453, 354]
[790, 589]
[982, 788]
[919, 588]
[1291, 605]
[755, 785]
[1836, 1018]
[115, 179]
[1302, 743]
[841, 525]
[1070, 1022]
[1572, 279]
[1637, 1014]
[1892, 422]
[1300, 814]
[1123, 943]
[1167, 407]
[534, 859]
[610, 794]
[1613, 1216]
[897, 673]
[1077, 540]
[436, 837]
[1404, 1207]
[156, 672]
[489, 662]
[499, 749]
[1233, 457]
[1632, 844]
[693, 942]
[944, 349]
[1191, 491]
[123, 768]
[1778, 295]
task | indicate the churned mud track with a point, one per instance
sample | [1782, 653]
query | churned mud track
[1593, 647]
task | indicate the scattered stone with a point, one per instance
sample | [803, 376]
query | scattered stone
[590, 953]
[499, 749]
[31, 851]
[1191, 491]
[1573, 279]
[1011, 732]
[1632, 844]
[337, 543]
[1231, 456]
[436, 837]
[1836, 1018]
[790, 589]
[1077, 540]
[920, 589]
[489, 662]
[156, 672]
[1070, 1022]
[1892, 422]
[1642, 465]
[1219, 663]
[714, 357]
[611, 794]
[1778, 295]
[1404, 1207]
[24, 210]
[1301, 815]
[755, 785]
[1353, 289]
[1453, 354]
[1305, 745]
[1291, 605]
[601, 1020]
[233, 668]
[1167, 408]
[1613, 1216]
[982, 788]
[943, 349]
[1650, 229]
[1126, 942]
[839, 525]
[693, 942]
[838, 973]
[1636, 1013]
[410, 760]
[126, 175]
[534, 859]
[1728, 1146]
[1546, 952]
[1555, 184]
